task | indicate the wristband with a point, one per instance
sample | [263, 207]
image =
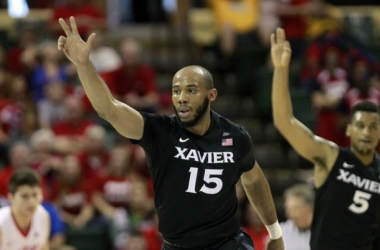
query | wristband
[274, 230]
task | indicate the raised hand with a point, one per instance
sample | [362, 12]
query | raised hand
[280, 49]
[75, 49]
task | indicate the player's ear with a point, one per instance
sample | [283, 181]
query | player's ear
[40, 195]
[348, 130]
[10, 197]
[213, 93]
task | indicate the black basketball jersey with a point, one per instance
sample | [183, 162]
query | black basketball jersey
[194, 177]
[347, 206]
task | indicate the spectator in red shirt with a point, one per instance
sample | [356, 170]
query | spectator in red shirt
[327, 92]
[114, 192]
[24, 50]
[17, 111]
[72, 194]
[136, 242]
[87, 16]
[256, 229]
[94, 158]
[134, 83]
[293, 18]
[70, 131]
[151, 234]
[141, 208]
[361, 90]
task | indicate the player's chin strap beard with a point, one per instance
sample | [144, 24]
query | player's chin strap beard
[199, 114]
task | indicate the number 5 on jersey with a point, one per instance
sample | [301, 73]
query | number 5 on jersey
[209, 177]
[360, 204]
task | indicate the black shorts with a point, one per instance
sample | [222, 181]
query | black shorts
[241, 241]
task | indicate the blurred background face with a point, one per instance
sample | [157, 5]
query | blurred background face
[95, 138]
[20, 155]
[26, 199]
[119, 159]
[360, 76]
[130, 52]
[28, 36]
[364, 132]
[42, 140]
[298, 211]
[71, 167]
[74, 108]
[331, 58]
[49, 52]
[19, 87]
[55, 92]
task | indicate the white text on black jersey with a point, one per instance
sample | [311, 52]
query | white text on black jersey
[357, 181]
[204, 157]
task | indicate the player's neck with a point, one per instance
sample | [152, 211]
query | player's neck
[22, 221]
[201, 127]
[366, 159]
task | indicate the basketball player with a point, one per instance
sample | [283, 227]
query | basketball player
[25, 224]
[347, 180]
[195, 157]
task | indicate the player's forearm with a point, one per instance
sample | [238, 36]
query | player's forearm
[97, 91]
[281, 102]
[259, 194]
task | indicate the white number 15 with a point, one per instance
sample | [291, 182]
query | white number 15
[208, 179]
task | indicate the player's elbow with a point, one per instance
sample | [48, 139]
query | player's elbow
[107, 112]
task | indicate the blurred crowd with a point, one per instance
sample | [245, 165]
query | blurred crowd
[93, 178]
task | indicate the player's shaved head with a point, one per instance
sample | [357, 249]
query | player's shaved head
[194, 71]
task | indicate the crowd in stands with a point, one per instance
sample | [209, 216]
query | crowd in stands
[93, 178]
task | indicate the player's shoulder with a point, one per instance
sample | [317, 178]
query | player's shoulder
[225, 123]
[41, 212]
[345, 153]
[159, 118]
[5, 213]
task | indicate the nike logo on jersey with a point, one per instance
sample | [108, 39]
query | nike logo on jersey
[357, 181]
[183, 140]
[226, 134]
[204, 157]
[346, 165]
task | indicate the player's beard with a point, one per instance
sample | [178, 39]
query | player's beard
[199, 114]
[363, 152]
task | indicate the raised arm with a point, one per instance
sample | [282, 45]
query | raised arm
[321, 152]
[123, 118]
[258, 192]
